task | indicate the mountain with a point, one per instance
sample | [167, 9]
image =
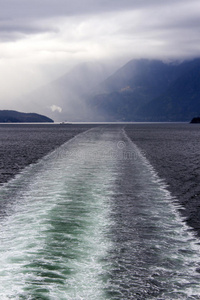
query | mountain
[141, 90]
[135, 84]
[195, 120]
[180, 102]
[63, 99]
[12, 116]
[149, 90]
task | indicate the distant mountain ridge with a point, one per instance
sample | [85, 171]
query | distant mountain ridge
[67, 93]
[150, 90]
[180, 102]
[141, 90]
[12, 116]
[195, 120]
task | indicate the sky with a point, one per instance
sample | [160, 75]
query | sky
[41, 40]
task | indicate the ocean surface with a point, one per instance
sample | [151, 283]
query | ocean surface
[99, 212]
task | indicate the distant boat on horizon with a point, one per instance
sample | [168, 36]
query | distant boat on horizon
[65, 123]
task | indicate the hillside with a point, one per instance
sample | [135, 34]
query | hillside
[150, 90]
[11, 116]
[67, 93]
[141, 90]
[181, 101]
[135, 84]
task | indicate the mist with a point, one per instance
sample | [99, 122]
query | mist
[42, 42]
[65, 99]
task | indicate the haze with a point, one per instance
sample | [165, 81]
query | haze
[42, 40]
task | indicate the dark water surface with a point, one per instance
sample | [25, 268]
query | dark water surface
[23, 144]
[174, 151]
[99, 217]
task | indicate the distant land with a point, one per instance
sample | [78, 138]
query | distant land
[142, 90]
[150, 90]
[12, 116]
[195, 120]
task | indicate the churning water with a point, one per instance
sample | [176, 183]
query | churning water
[92, 220]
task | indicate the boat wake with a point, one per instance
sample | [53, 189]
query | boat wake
[92, 220]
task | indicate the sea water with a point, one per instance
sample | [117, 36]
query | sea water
[93, 220]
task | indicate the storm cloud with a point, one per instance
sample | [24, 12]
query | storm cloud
[35, 17]
[41, 40]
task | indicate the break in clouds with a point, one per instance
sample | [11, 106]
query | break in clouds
[42, 40]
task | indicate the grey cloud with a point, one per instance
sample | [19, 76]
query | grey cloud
[164, 21]
[50, 8]
[17, 29]
[189, 23]
[81, 30]
[22, 17]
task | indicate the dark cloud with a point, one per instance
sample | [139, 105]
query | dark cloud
[55, 33]
[49, 8]
[13, 30]
[22, 17]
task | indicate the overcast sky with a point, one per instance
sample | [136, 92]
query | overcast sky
[42, 39]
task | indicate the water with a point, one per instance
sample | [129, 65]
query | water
[173, 149]
[93, 220]
[23, 144]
